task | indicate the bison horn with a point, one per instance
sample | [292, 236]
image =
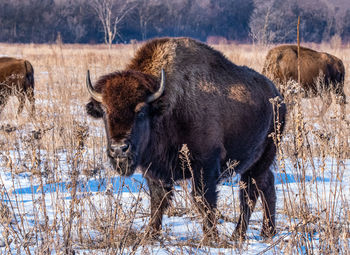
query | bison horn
[95, 95]
[160, 91]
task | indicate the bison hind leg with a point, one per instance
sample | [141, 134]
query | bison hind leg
[340, 98]
[268, 197]
[251, 189]
[258, 181]
[326, 103]
[248, 196]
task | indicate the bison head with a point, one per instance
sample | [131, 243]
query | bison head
[124, 100]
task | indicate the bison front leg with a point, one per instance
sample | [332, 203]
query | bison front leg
[3, 100]
[161, 195]
[21, 100]
[205, 200]
[204, 195]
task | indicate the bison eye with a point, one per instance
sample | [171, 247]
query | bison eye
[141, 115]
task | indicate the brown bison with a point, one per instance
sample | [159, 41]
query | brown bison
[178, 91]
[16, 78]
[320, 73]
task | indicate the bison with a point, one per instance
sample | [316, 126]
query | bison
[320, 73]
[16, 78]
[178, 91]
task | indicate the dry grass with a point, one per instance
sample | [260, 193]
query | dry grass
[62, 144]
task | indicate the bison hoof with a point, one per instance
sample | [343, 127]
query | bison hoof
[211, 239]
[268, 233]
[238, 236]
[152, 233]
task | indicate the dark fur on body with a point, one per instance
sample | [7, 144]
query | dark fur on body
[16, 78]
[221, 111]
[320, 73]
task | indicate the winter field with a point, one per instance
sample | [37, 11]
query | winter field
[59, 195]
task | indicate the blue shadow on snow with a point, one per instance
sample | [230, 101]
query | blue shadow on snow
[129, 184]
[290, 178]
[134, 183]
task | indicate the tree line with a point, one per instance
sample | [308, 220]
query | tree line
[110, 21]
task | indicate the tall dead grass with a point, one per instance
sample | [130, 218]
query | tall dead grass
[65, 148]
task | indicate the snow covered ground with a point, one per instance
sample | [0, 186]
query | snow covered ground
[24, 194]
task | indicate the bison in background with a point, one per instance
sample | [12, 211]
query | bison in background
[178, 91]
[16, 78]
[320, 73]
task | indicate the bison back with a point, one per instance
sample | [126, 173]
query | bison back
[211, 102]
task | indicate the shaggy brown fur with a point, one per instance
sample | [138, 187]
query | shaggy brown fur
[221, 111]
[16, 78]
[121, 100]
[320, 72]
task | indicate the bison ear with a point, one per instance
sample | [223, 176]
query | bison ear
[94, 109]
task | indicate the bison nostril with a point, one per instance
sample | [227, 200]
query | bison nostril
[124, 147]
[113, 149]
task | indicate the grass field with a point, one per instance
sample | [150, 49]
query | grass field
[59, 194]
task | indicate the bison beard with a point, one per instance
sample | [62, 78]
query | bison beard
[219, 110]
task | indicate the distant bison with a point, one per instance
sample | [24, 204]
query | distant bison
[320, 73]
[16, 78]
[221, 111]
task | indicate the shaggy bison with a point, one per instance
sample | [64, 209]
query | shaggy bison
[16, 78]
[178, 91]
[320, 73]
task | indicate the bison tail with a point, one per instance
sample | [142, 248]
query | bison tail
[29, 72]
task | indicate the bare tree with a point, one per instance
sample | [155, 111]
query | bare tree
[274, 21]
[147, 11]
[111, 13]
[259, 23]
